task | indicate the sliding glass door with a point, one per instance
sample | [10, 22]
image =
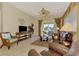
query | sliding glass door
[48, 29]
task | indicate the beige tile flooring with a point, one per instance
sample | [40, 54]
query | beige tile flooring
[22, 48]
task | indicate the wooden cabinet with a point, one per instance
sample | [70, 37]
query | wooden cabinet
[23, 35]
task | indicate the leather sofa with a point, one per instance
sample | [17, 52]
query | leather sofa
[61, 49]
[33, 52]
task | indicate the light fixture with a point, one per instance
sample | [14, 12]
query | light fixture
[44, 12]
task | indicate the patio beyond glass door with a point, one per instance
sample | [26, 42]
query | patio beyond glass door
[48, 29]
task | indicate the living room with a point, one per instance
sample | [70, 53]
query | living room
[35, 26]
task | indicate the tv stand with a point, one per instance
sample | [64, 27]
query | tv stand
[23, 35]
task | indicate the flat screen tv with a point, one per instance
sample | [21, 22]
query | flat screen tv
[22, 28]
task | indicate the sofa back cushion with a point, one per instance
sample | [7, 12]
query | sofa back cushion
[6, 35]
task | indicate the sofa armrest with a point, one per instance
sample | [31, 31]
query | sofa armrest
[33, 52]
[6, 40]
[13, 36]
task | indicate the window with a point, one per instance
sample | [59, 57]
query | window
[48, 28]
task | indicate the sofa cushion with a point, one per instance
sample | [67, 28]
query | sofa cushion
[49, 53]
[45, 53]
[6, 36]
[13, 40]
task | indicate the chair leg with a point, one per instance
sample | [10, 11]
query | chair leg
[40, 38]
[47, 39]
[1, 46]
[8, 47]
[17, 43]
[30, 35]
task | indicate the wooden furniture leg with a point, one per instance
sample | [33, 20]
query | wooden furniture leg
[1, 46]
[8, 47]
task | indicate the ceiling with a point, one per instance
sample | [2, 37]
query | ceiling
[56, 9]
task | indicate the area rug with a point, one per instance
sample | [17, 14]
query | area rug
[45, 44]
[40, 43]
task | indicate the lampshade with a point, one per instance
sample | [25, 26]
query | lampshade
[57, 28]
[67, 27]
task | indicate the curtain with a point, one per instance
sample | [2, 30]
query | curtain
[59, 22]
[39, 27]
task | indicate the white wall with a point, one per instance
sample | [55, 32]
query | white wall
[77, 20]
[35, 22]
[72, 19]
[0, 20]
[13, 17]
[0, 15]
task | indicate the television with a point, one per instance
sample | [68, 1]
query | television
[22, 28]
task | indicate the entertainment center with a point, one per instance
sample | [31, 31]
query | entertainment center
[24, 33]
